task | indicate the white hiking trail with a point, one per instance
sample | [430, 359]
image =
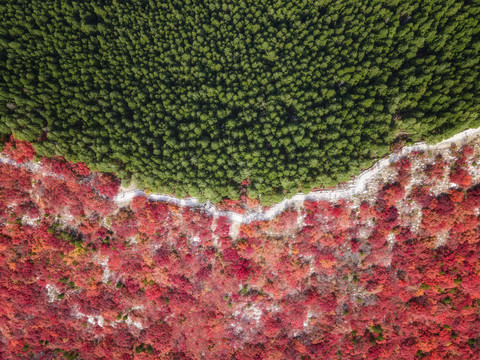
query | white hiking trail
[347, 190]
[350, 189]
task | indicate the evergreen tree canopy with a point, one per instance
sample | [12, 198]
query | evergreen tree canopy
[196, 96]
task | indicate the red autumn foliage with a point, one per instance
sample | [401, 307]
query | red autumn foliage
[461, 177]
[403, 167]
[20, 151]
[241, 269]
[436, 170]
[391, 193]
[66, 169]
[285, 221]
[80, 277]
[421, 194]
[106, 184]
[444, 205]
[124, 224]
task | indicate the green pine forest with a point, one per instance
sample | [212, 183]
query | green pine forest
[194, 96]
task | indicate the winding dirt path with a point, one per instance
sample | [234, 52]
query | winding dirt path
[351, 188]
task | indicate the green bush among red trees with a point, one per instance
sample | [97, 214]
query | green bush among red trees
[82, 278]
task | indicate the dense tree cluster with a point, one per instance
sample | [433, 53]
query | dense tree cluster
[82, 278]
[196, 96]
